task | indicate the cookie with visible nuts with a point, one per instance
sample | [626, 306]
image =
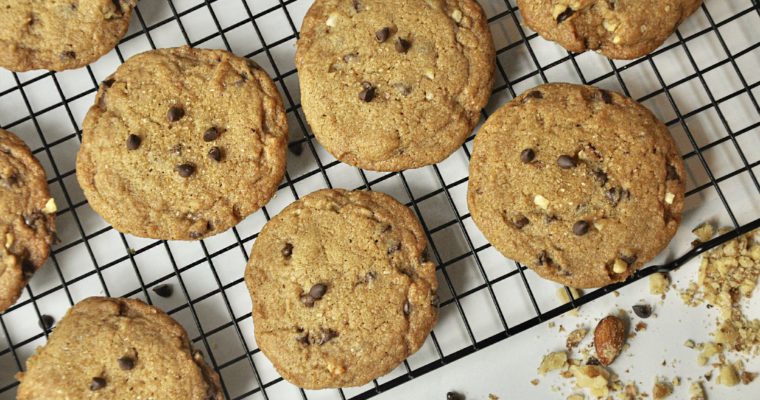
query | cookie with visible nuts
[111, 348]
[392, 85]
[342, 292]
[621, 29]
[60, 35]
[585, 223]
[27, 217]
[182, 144]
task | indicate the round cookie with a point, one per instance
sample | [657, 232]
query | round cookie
[392, 85]
[61, 34]
[580, 184]
[110, 348]
[182, 144]
[27, 217]
[622, 29]
[342, 292]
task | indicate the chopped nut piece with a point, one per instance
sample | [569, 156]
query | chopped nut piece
[541, 201]
[592, 377]
[534, 382]
[576, 397]
[728, 375]
[748, 377]
[332, 20]
[9, 238]
[619, 266]
[564, 298]
[669, 197]
[696, 391]
[457, 15]
[689, 343]
[704, 232]
[575, 337]
[661, 390]
[553, 362]
[50, 206]
[709, 349]
[658, 283]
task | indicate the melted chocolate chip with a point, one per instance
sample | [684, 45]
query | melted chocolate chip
[327, 335]
[304, 339]
[68, 54]
[97, 384]
[565, 15]
[109, 82]
[215, 153]
[672, 174]
[616, 195]
[403, 45]
[126, 363]
[642, 310]
[175, 114]
[566, 162]
[211, 134]
[46, 322]
[605, 96]
[533, 95]
[521, 222]
[318, 291]
[592, 361]
[287, 251]
[527, 155]
[368, 93]
[186, 170]
[133, 142]
[383, 34]
[601, 177]
[580, 228]
[307, 300]
[164, 290]
[543, 258]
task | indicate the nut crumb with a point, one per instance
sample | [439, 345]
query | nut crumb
[534, 382]
[541, 201]
[696, 391]
[593, 377]
[727, 375]
[704, 232]
[659, 283]
[552, 362]
[661, 390]
[575, 337]
[50, 206]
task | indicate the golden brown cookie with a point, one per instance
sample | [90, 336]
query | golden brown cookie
[107, 348]
[620, 29]
[27, 217]
[60, 34]
[341, 290]
[391, 85]
[183, 144]
[580, 184]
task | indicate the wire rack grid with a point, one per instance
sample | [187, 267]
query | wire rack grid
[703, 83]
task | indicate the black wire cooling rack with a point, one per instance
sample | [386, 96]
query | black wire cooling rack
[485, 299]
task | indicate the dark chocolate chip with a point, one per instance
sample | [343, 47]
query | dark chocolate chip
[318, 291]
[296, 148]
[605, 96]
[566, 162]
[601, 177]
[287, 251]
[383, 34]
[307, 300]
[543, 258]
[211, 134]
[592, 361]
[642, 310]
[407, 308]
[630, 260]
[455, 396]
[672, 174]
[175, 114]
[368, 93]
[109, 82]
[527, 155]
[186, 170]
[533, 95]
[68, 54]
[580, 228]
[521, 222]
[97, 384]
[327, 335]
[215, 153]
[46, 322]
[126, 363]
[616, 194]
[565, 15]
[133, 142]
[163, 290]
[304, 339]
[117, 4]
[403, 45]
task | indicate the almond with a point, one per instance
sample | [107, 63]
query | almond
[609, 338]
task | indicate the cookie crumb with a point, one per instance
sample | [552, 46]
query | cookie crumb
[552, 362]
[593, 377]
[661, 390]
[696, 391]
[659, 283]
[575, 337]
[727, 375]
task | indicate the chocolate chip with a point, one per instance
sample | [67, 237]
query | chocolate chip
[97, 384]
[403, 45]
[304, 340]
[543, 258]
[672, 174]
[296, 148]
[46, 322]
[357, 6]
[68, 54]
[27, 268]
[327, 335]
[215, 153]
[630, 260]
[133, 142]
[164, 290]
[605, 96]
[109, 82]
[307, 300]
[527, 155]
[126, 363]
[616, 194]
[407, 308]
[287, 251]
[533, 95]
[117, 4]
[368, 93]
[455, 396]
[580, 228]
[566, 162]
[601, 177]
[565, 15]
[317, 291]
[186, 170]
[642, 310]
[175, 114]
[383, 34]
[592, 361]
[521, 222]
[211, 134]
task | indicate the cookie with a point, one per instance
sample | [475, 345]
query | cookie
[107, 348]
[621, 29]
[580, 184]
[182, 144]
[62, 34]
[391, 85]
[342, 292]
[27, 217]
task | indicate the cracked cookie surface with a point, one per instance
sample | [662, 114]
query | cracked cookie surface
[27, 217]
[341, 290]
[619, 29]
[60, 34]
[182, 144]
[392, 85]
[582, 185]
[108, 348]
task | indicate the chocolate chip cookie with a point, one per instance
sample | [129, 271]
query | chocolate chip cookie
[342, 292]
[391, 85]
[61, 34]
[620, 29]
[182, 144]
[27, 217]
[107, 348]
[580, 184]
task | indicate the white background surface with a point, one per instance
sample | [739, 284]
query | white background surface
[214, 282]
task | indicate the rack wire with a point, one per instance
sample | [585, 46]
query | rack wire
[696, 83]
